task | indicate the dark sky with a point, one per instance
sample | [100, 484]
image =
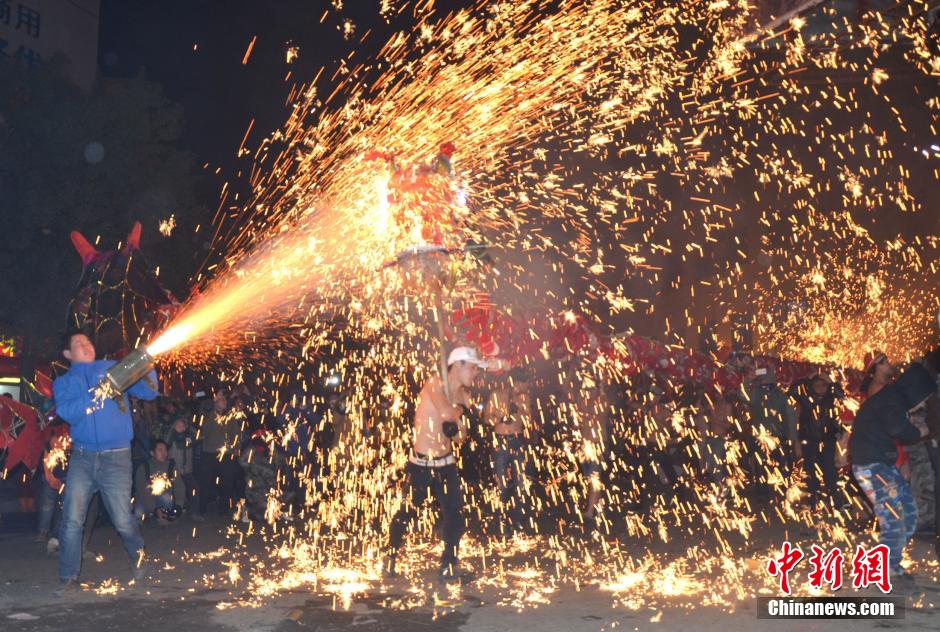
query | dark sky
[219, 94]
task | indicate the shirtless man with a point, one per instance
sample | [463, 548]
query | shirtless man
[438, 428]
[508, 412]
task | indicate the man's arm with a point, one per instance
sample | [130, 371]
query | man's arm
[494, 409]
[933, 417]
[72, 399]
[448, 411]
[898, 426]
[838, 393]
[142, 390]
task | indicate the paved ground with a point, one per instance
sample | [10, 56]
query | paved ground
[188, 591]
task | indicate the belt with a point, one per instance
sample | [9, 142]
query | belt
[90, 451]
[422, 460]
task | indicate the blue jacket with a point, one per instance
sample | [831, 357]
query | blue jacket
[106, 427]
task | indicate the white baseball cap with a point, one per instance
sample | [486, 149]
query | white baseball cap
[466, 354]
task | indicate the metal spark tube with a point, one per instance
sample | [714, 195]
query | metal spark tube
[129, 370]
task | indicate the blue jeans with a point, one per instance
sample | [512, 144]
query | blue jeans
[163, 501]
[48, 498]
[108, 473]
[893, 501]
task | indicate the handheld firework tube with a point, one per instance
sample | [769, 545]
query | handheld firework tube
[129, 370]
[441, 335]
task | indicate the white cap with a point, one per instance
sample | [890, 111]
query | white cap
[466, 354]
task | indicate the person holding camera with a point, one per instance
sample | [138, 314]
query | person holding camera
[439, 427]
[155, 480]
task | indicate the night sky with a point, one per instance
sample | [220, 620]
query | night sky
[220, 94]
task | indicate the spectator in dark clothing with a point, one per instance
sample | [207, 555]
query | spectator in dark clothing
[154, 493]
[54, 469]
[219, 471]
[818, 428]
[54, 458]
[932, 419]
[881, 421]
[774, 424]
[182, 450]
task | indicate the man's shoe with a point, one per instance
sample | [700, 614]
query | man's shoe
[52, 546]
[141, 569]
[390, 568]
[68, 587]
[451, 573]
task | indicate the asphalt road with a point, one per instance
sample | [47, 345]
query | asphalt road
[187, 592]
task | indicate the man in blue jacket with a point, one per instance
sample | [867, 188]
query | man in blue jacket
[101, 456]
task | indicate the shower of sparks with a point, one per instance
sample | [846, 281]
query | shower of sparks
[100, 393]
[669, 167]
[57, 454]
[292, 53]
[167, 225]
[159, 483]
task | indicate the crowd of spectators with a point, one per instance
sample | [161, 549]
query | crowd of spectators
[648, 439]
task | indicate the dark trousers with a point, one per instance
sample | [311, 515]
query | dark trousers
[444, 484]
[510, 466]
[218, 478]
[933, 450]
[767, 464]
[192, 501]
[820, 456]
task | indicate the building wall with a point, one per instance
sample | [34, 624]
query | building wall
[33, 31]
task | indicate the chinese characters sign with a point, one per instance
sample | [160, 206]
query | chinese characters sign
[869, 567]
[33, 31]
